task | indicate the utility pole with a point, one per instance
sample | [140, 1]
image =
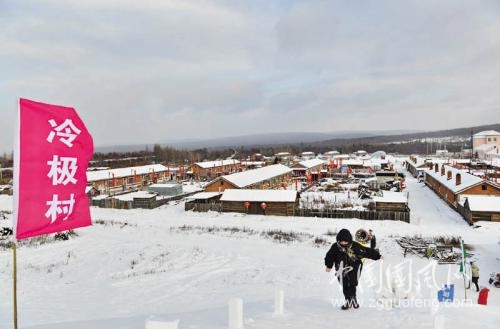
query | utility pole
[471, 148]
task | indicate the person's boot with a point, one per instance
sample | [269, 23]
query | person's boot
[354, 303]
[346, 306]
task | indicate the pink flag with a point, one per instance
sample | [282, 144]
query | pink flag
[52, 156]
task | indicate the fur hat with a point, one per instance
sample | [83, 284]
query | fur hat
[344, 235]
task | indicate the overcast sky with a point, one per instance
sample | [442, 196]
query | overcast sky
[153, 71]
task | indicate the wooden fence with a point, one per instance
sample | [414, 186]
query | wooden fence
[403, 216]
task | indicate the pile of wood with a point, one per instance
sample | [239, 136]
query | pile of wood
[444, 254]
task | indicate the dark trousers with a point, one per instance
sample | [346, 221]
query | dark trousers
[475, 280]
[349, 291]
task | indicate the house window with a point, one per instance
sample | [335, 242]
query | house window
[221, 183]
[489, 139]
[484, 187]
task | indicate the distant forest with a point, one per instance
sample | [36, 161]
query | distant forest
[455, 141]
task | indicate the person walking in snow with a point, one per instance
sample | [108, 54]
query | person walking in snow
[346, 255]
[373, 239]
[475, 274]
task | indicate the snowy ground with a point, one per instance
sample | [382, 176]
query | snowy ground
[133, 265]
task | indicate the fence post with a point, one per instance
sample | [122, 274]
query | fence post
[162, 324]
[279, 302]
[439, 322]
[236, 313]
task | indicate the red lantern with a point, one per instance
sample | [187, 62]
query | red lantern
[263, 205]
[247, 204]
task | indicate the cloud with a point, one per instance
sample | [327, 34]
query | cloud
[149, 71]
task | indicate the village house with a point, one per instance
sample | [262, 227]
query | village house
[453, 184]
[307, 155]
[269, 177]
[489, 137]
[308, 167]
[121, 179]
[211, 169]
[416, 166]
[263, 202]
[484, 142]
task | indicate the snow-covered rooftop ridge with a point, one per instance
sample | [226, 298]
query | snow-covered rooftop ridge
[203, 195]
[311, 163]
[259, 195]
[249, 177]
[392, 197]
[484, 203]
[467, 180]
[131, 196]
[163, 185]
[97, 175]
[217, 163]
[487, 133]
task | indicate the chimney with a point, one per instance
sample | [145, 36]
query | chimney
[458, 179]
[436, 168]
[442, 170]
[449, 175]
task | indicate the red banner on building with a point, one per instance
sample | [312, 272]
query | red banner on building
[51, 160]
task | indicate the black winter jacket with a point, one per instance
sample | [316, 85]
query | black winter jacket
[350, 259]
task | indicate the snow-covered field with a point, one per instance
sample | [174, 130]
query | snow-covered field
[134, 265]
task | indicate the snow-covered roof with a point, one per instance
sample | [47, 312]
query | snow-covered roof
[352, 162]
[97, 175]
[467, 180]
[253, 163]
[259, 195]
[203, 195]
[249, 177]
[307, 153]
[218, 163]
[311, 163]
[392, 197]
[164, 185]
[100, 197]
[420, 162]
[487, 133]
[484, 203]
[331, 153]
[131, 196]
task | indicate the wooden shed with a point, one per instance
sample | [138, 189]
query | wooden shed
[481, 208]
[392, 201]
[203, 201]
[261, 202]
